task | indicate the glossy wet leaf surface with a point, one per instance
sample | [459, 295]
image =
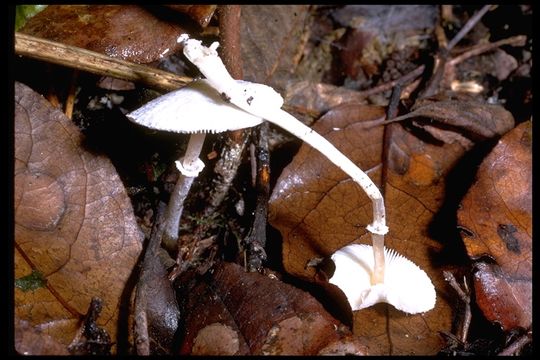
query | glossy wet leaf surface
[497, 216]
[129, 32]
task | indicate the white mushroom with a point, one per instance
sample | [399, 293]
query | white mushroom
[378, 282]
[194, 109]
[267, 105]
[405, 285]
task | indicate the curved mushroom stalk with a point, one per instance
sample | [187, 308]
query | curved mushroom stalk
[267, 105]
[404, 285]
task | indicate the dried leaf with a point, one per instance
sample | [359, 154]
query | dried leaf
[238, 313]
[497, 212]
[476, 120]
[318, 210]
[73, 222]
[270, 39]
[128, 32]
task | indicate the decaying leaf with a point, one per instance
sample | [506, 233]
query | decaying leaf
[474, 120]
[318, 210]
[156, 310]
[497, 212]
[270, 39]
[73, 223]
[129, 32]
[234, 312]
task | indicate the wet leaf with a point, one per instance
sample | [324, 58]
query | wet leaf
[73, 223]
[129, 32]
[497, 212]
[202, 14]
[318, 210]
[238, 313]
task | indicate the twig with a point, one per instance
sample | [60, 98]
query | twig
[517, 345]
[70, 100]
[235, 142]
[518, 40]
[468, 26]
[391, 112]
[441, 61]
[255, 241]
[90, 61]
[465, 297]
[403, 80]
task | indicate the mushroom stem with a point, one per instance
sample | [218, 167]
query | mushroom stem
[267, 105]
[377, 277]
[264, 106]
[288, 122]
[189, 166]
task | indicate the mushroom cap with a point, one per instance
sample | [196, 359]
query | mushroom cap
[196, 107]
[405, 286]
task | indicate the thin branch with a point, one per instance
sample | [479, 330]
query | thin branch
[516, 347]
[518, 40]
[468, 26]
[465, 297]
[403, 80]
[96, 63]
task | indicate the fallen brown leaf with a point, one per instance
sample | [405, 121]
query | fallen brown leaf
[497, 213]
[318, 210]
[270, 40]
[73, 223]
[234, 312]
[129, 32]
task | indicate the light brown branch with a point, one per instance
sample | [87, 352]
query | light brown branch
[90, 61]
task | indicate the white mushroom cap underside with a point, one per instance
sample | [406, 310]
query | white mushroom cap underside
[405, 286]
[194, 108]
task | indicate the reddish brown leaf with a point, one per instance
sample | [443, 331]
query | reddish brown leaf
[128, 32]
[202, 14]
[73, 222]
[238, 313]
[318, 209]
[497, 211]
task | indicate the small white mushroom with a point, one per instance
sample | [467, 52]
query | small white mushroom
[267, 105]
[378, 266]
[194, 109]
[405, 285]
